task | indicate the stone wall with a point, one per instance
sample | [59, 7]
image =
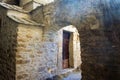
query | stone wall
[95, 49]
[8, 36]
[37, 14]
[99, 42]
[53, 38]
[98, 52]
[35, 58]
[27, 52]
[37, 47]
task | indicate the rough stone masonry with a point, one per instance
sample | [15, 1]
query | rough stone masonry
[31, 42]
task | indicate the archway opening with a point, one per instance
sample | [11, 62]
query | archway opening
[69, 56]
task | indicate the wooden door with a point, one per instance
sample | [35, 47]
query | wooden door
[65, 54]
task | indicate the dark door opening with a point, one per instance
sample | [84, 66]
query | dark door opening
[65, 53]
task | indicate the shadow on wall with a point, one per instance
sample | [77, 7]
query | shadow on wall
[13, 2]
[8, 43]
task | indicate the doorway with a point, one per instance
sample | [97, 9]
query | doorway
[65, 52]
[69, 48]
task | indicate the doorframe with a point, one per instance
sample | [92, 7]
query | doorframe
[73, 64]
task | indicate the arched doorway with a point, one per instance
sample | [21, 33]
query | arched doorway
[69, 48]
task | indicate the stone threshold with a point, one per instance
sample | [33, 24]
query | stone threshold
[68, 70]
